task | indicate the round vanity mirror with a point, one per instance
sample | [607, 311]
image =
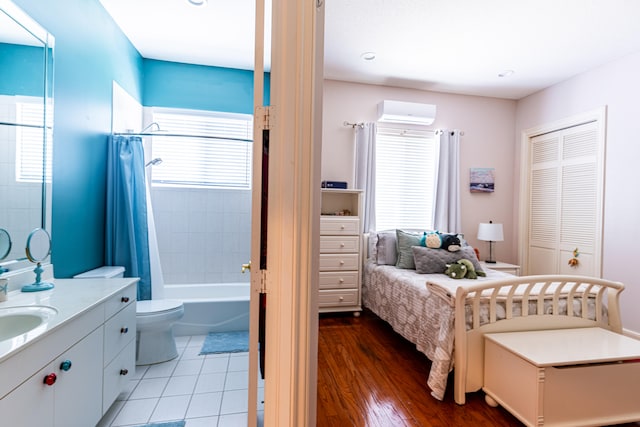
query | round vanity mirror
[38, 245]
[5, 243]
[38, 249]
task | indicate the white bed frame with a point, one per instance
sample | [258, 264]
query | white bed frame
[469, 343]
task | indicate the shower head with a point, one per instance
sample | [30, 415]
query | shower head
[154, 162]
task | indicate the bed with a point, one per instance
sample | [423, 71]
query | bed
[446, 318]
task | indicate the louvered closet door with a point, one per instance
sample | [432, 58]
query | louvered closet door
[565, 201]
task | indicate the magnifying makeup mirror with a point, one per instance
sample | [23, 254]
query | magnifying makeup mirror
[38, 249]
[5, 243]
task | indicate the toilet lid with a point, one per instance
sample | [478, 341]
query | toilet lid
[157, 306]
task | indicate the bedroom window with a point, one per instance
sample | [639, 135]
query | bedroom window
[405, 178]
[203, 149]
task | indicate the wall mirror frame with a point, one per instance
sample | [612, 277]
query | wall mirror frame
[26, 129]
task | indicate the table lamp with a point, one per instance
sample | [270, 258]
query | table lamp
[490, 232]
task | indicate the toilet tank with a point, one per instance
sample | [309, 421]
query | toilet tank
[105, 272]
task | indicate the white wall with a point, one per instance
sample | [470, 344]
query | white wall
[617, 86]
[488, 141]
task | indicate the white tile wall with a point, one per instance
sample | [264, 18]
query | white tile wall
[204, 235]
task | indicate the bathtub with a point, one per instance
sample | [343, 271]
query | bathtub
[217, 307]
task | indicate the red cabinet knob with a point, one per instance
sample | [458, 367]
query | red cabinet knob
[50, 379]
[125, 299]
[124, 371]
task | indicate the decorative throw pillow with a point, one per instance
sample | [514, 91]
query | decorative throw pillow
[428, 260]
[385, 248]
[405, 254]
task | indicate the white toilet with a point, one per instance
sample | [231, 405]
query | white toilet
[154, 322]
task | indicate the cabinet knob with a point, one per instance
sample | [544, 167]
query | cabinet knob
[50, 379]
[341, 245]
[341, 280]
[124, 371]
[66, 365]
[125, 299]
[124, 330]
[341, 262]
[341, 299]
[342, 227]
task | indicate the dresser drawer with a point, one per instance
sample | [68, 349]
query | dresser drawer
[119, 331]
[338, 298]
[333, 244]
[333, 262]
[338, 280]
[338, 225]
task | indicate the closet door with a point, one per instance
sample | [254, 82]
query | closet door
[565, 201]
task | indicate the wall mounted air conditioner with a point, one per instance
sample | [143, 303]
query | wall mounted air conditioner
[406, 112]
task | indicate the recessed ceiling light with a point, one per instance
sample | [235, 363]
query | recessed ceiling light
[198, 2]
[368, 56]
[506, 73]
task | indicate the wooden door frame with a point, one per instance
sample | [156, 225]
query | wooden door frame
[597, 115]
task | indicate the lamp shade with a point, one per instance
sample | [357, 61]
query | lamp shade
[490, 232]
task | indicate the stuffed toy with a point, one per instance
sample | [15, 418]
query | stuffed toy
[450, 242]
[456, 270]
[431, 239]
[463, 269]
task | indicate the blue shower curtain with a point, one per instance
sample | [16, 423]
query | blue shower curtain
[127, 239]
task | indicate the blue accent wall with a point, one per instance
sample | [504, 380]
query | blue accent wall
[199, 87]
[90, 52]
[19, 65]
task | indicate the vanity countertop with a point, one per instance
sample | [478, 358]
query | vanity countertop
[70, 297]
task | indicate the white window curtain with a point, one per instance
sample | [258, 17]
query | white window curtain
[366, 171]
[447, 199]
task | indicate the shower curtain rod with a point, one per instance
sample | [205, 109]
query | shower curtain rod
[178, 135]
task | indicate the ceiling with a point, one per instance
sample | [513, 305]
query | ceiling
[457, 46]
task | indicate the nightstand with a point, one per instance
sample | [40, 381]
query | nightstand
[502, 266]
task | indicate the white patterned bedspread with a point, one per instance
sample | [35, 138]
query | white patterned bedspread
[402, 298]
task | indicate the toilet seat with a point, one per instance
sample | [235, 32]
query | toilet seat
[155, 307]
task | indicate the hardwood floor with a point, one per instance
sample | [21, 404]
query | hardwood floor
[370, 376]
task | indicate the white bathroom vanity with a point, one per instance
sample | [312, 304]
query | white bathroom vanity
[76, 356]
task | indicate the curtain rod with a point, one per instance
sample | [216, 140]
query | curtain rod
[179, 135]
[461, 132]
[354, 125]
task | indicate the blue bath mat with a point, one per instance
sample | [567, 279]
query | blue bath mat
[166, 424]
[226, 342]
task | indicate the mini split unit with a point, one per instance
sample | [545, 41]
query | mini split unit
[406, 112]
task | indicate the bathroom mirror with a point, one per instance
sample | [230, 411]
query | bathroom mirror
[26, 128]
[38, 249]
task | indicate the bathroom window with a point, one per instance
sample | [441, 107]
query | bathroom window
[202, 149]
[29, 147]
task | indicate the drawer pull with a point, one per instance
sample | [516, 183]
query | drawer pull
[341, 280]
[124, 330]
[66, 365]
[341, 245]
[50, 379]
[341, 299]
[124, 299]
[124, 371]
[341, 262]
[342, 227]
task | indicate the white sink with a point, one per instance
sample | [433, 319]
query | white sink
[16, 321]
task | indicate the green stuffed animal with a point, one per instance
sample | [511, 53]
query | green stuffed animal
[463, 269]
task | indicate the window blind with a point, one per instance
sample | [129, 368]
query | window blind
[30, 151]
[405, 178]
[210, 149]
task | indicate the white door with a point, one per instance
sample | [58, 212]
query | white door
[565, 187]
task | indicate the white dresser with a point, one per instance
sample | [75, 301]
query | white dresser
[340, 251]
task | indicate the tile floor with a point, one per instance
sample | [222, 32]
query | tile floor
[205, 391]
